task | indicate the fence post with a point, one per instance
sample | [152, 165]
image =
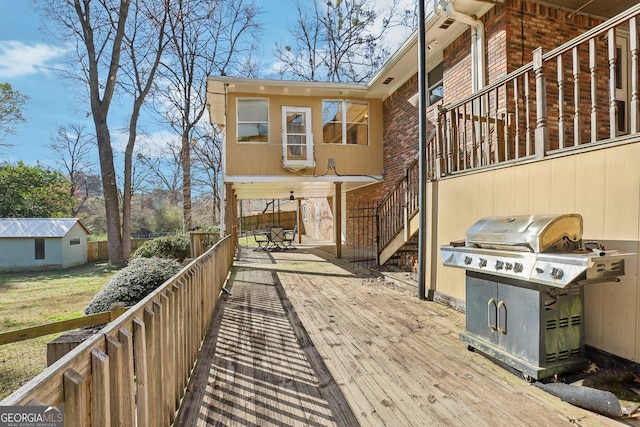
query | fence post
[542, 130]
[116, 310]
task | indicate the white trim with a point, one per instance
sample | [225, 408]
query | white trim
[308, 160]
[303, 178]
[268, 122]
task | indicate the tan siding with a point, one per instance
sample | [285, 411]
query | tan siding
[603, 186]
[266, 159]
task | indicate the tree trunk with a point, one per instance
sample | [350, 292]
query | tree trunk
[127, 194]
[110, 189]
[185, 159]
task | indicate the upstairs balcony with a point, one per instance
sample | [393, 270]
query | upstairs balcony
[578, 96]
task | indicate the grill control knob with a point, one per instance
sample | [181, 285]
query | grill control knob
[508, 266]
[517, 267]
[499, 265]
[482, 262]
[467, 260]
[557, 273]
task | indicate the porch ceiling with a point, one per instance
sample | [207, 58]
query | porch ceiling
[282, 190]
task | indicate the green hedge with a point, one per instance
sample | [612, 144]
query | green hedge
[176, 247]
[133, 283]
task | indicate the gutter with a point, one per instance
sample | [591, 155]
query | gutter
[478, 66]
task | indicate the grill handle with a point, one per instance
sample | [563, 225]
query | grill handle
[502, 320]
[492, 308]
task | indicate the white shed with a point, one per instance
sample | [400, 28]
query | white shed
[32, 243]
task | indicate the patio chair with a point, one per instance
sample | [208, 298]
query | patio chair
[290, 237]
[262, 239]
[276, 236]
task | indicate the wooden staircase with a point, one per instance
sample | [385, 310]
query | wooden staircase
[397, 214]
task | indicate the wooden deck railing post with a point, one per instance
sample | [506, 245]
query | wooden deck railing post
[100, 389]
[613, 102]
[635, 90]
[153, 387]
[560, 74]
[142, 372]
[126, 387]
[76, 398]
[542, 129]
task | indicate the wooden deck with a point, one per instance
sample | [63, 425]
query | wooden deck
[301, 340]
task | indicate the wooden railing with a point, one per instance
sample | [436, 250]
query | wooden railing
[60, 326]
[398, 206]
[135, 370]
[202, 241]
[512, 119]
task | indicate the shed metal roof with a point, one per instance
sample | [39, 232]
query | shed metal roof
[38, 227]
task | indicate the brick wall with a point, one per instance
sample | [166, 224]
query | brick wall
[513, 31]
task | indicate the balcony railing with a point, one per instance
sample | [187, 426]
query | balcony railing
[583, 92]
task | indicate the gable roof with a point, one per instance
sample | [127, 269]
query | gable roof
[38, 227]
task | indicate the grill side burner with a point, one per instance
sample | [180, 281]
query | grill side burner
[524, 293]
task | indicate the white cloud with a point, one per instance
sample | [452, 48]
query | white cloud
[18, 59]
[154, 144]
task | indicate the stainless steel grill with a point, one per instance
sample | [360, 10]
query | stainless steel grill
[544, 249]
[524, 293]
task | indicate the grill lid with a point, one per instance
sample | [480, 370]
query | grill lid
[527, 233]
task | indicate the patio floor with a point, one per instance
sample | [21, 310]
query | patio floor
[303, 340]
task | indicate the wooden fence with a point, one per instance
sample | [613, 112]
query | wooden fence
[98, 251]
[286, 219]
[135, 370]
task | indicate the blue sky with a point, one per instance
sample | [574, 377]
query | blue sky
[29, 58]
[25, 55]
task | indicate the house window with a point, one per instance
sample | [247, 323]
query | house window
[39, 248]
[75, 241]
[345, 122]
[253, 120]
[297, 139]
[435, 88]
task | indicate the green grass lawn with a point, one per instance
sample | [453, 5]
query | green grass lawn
[38, 297]
[247, 240]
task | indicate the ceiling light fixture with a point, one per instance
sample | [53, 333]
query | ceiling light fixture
[291, 196]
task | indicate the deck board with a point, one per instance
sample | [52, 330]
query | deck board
[302, 340]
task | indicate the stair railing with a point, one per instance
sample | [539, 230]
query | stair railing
[398, 206]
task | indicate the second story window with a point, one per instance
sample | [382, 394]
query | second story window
[345, 122]
[253, 120]
[435, 91]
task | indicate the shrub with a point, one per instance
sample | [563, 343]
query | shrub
[176, 246]
[133, 283]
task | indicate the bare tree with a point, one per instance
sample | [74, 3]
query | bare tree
[163, 171]
[207, 162]
[337, 41]
[11, 104]
[71, 146]
[117, 46]
[145, 43]
[206, 38]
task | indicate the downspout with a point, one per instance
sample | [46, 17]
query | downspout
[422, 151]
[477, 41]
